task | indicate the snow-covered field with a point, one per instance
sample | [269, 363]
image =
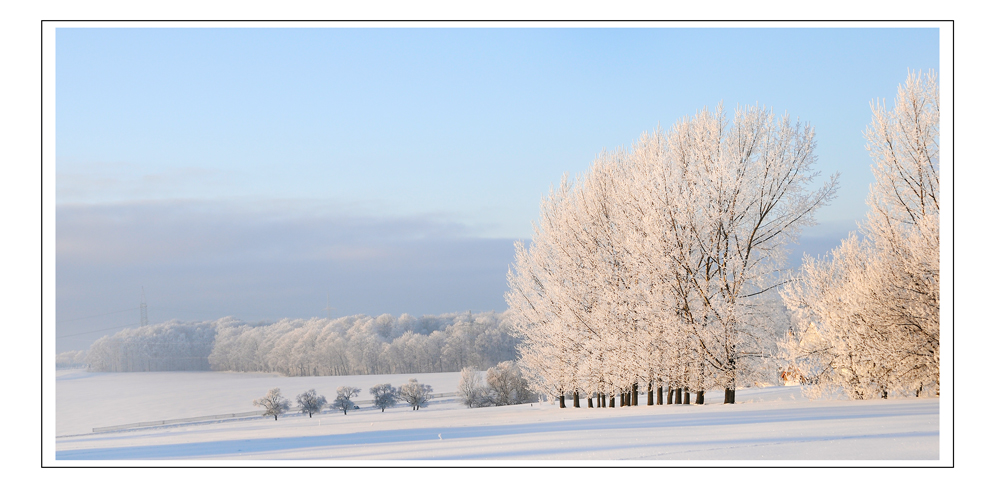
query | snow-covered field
[773, 425]
[87, 400]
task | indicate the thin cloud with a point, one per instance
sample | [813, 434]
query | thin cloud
[205, 260]
[197, 231]
[121, 181]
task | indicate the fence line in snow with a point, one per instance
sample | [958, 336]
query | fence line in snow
[205, 418]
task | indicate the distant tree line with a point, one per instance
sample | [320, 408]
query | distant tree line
[358, 344]
[171, 346]
[70, 360]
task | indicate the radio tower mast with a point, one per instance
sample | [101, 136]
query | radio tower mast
[145, 315]
[328, 306]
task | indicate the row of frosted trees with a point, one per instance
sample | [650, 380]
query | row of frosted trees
[655, 269]
[357, 344]
[366, 345]
[869, 313]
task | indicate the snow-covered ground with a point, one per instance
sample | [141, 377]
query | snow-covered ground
[87, 400]
[773, 424]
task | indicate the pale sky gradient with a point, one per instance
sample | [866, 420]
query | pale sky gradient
[253, 172]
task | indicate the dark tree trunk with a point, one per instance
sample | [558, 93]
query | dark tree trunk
[687, 397]
[590, 402]
[576, 399]
[884, 394]
[635, 394]
[649, 395]
[563, 401]
[699, 398]
[628, 398]
[659, 395]
[679, 396]
[611, 403]
[670, 395]
[730, 395]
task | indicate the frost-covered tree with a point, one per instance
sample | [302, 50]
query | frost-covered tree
[471, 390]
[733, 196]
[310, 402]
[657, 265]
[554, 300]
[274, 403]
[507, 386]
[384, 396]
[171, 346]
[70, 360]
[343, 398]
[868, 313]
[415, 393]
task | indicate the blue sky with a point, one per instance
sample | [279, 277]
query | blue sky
[255, 172]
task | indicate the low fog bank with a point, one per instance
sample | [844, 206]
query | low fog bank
[263, 261]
